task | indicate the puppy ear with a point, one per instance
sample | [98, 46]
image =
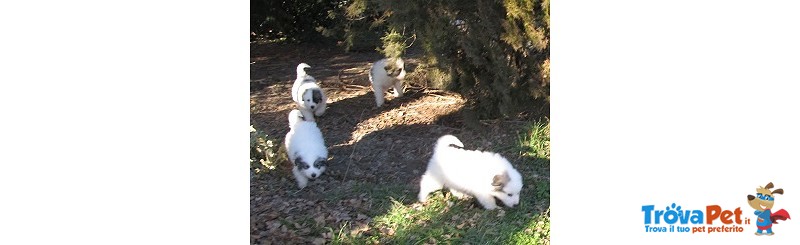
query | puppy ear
[321, 162]
[455, 146]
[769, 186]
[778, 191]
[392, 70]
[499, 181]
[300, 163]
[316, 96]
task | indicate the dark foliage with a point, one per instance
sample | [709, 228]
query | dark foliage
[300, 21]
[495, 53]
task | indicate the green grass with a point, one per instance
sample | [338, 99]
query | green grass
[265, 152]
[446, 220]
[536, 143]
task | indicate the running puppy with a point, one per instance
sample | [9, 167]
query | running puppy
[483, 175]
[385, 74]
[309, 97]
[305, 148]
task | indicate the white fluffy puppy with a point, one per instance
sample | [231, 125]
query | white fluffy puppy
[308, 96]
[386, 74]
[305, 148]
[483, 175]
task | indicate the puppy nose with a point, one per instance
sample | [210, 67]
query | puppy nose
[312, 107]
[750, 197]
[313, 175]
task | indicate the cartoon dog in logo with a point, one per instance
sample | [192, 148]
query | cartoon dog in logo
[762, 202]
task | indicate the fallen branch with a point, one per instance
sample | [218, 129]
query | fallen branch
[426, 104]
[353, 152]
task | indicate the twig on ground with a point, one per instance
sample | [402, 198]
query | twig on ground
[353, 152]
[433, 91]
[343, 85]
[339, 76]
[356, 87]
[439, 96]
[428, 104]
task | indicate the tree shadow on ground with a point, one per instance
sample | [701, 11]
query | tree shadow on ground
[400, 164]
[372, 175]
[376, 162]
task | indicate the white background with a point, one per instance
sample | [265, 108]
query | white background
[691, 102]
[126, 123]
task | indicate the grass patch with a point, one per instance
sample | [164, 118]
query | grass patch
[447, 220]
[536, 142]
[382, 196]
[265, 152]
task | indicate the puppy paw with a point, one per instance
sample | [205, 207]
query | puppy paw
[487, 203]
[490, 207]
[379, 100]
[319, 111]
[302, 183]
[459, 195]
[423, 197]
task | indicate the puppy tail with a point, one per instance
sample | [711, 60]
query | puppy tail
[301, 69]
[400, 63]
[447, 140]
[402, 66]
[294, 117]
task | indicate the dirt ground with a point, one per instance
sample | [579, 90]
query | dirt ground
[367, 145]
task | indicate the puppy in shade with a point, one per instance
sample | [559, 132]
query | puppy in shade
[386, 74]
[468, 173]
[306, 93]
[305, 148]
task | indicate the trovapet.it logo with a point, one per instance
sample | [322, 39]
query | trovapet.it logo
[714, 218]
[675, 218]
